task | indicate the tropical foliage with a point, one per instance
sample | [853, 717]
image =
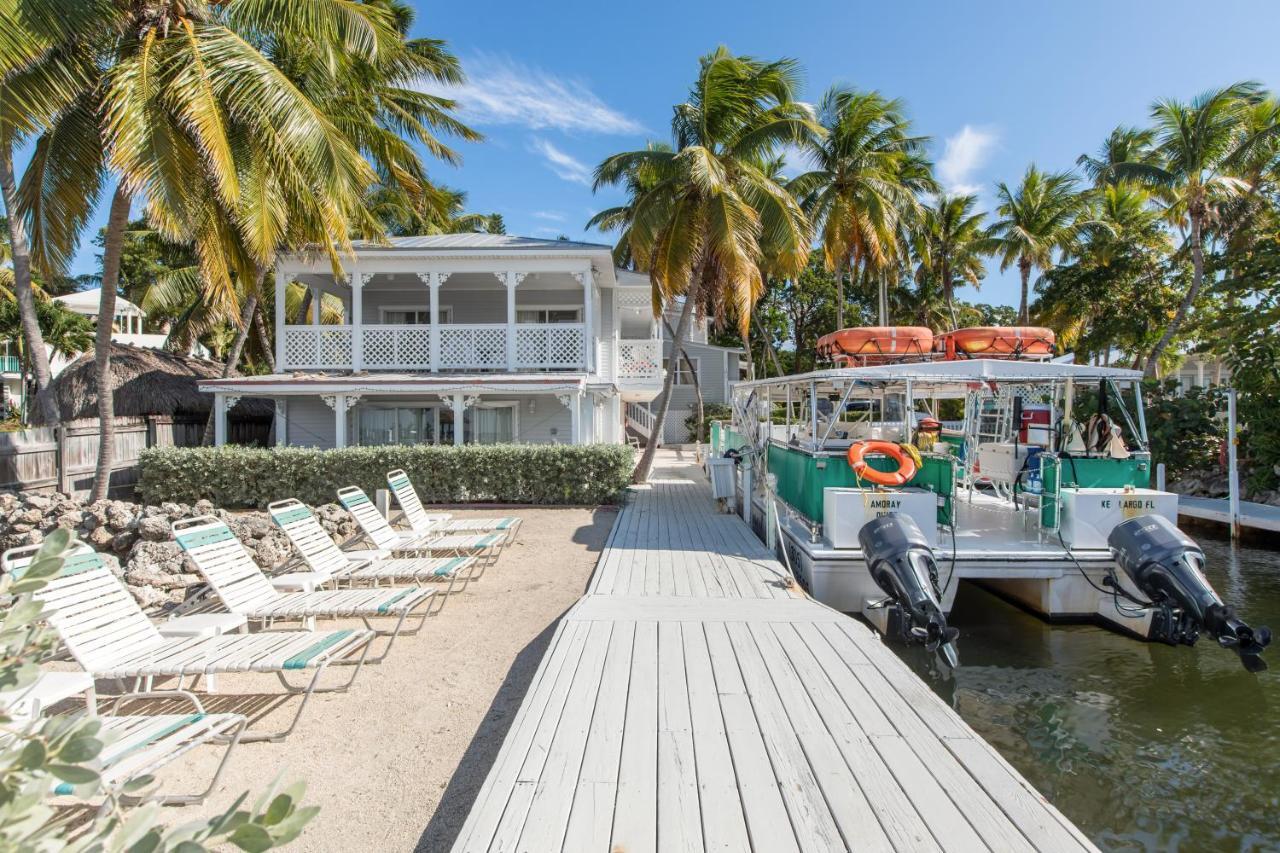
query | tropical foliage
[37, 756]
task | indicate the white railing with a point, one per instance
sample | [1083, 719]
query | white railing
[552, 345]
[639, 419]
[317, 348]
[473, 347]
[396, 347]
[541, 346]
[638, 360]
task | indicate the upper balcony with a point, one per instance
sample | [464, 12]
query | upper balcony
[469, 320]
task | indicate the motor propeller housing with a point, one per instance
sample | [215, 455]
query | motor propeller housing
[901, 563]
[1166, 566]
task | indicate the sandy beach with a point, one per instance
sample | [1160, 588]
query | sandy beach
[395, 763]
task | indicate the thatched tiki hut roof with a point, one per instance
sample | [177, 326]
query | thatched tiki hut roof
[147, 382]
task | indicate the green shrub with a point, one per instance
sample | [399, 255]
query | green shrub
[1185, 430]
[497, 473]
[710, 412]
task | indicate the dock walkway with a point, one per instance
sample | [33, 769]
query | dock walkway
[1253, 516]
[693, 701]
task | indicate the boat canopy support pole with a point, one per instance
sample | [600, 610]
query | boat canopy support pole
[813, 414]
[832, 423]
[1124, 410]
[1142, 414]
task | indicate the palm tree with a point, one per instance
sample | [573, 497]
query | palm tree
[38, 77]
[950, 244]
[1197, 144]
[865, 182]
[1040, 217]
[185, 98]
[1122, 145]
[712, 213]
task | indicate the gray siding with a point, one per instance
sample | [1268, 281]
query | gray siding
[711, 376]
[310, 423]
[469, 305]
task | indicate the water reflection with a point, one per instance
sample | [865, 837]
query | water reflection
[1145, 747]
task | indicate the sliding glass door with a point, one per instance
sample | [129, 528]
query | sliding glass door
[434, 424]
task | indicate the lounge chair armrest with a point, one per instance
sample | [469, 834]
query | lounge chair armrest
[156, 694]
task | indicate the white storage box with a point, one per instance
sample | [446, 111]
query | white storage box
[845, 511]
[1089, 515]
[720, 470]
[1001, 462]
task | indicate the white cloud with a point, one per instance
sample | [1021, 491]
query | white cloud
[549, 215]
[795, 160]
[965, 153]
[562, 164]
[502, 91]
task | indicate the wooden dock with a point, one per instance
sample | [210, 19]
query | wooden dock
[1253, 516]
[693, 701]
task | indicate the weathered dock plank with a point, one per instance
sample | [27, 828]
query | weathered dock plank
[693, 701]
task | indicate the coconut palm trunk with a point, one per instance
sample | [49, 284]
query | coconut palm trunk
[112, 248]
[645, 465]
[697, 386]
[1196, 214]
[264, 340]
[46, 407]
[247, 313]
[768, 347]
[1024, 272]
[303, 309]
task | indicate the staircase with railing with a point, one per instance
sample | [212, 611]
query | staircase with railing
[639, 421]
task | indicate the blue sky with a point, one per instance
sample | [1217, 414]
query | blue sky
[558, 86]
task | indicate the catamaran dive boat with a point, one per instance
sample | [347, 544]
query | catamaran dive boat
[918, 462]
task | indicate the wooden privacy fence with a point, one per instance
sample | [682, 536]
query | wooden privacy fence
[63, 458]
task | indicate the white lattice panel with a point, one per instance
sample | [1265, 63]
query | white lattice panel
[556, 345]
[317, 347]
[397, 347]
[473, 347]
[633, 297]
[639, 360]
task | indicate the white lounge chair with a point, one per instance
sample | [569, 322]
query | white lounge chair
[485, 547]
[324, 558]
[110, 637]
[242, 587]
[424, 522]
[135, 746]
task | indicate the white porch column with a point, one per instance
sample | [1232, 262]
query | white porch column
[589, 320]
[458, 404]
[282, 285]
[573, 402]
[316, 295]
[433, 280]
[221, 403]
[340, 420]
[282, 421]
[357, 318]
[512, 280]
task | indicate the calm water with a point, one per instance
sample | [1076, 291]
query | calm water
[1145, 747]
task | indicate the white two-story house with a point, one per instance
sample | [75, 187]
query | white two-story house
[459, 338]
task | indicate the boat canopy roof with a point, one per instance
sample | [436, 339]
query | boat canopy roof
[958, 371]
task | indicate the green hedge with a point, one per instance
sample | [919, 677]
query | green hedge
[499, 473]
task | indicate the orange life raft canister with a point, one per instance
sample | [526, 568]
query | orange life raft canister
[871, 344]
[997, 342]
[863, 471]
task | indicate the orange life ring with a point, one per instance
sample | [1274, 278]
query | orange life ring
[863, 471]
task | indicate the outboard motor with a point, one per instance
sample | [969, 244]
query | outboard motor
[1165, 565]
[901, 563]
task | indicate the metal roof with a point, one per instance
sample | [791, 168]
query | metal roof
[960, 370]
[480, 241]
